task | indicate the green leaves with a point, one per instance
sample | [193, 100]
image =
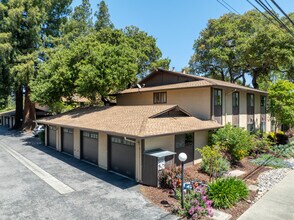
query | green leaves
[281, 106]
[87, 67]
[226, 192]
[235, 45]
[103, 17]
[236, 141]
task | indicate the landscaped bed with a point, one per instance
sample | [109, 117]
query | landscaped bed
[228, 178]
[165, 199]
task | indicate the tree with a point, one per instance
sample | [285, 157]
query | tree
[80, 23]
[149, 55]
[95, 65]
[28, 24]
[235, 45]
[217, 51]
[281, 96]
[88, 67]
[103, 17]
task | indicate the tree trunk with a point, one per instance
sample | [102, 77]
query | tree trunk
[29, 111]
[254, 78]
[243, 79]
[223, 75]
[18, 108]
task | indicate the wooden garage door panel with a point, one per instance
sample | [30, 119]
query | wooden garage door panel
[122, 159]
[90, 148]
[52, 137]
[67, 141]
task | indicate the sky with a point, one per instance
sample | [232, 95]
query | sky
[176, 24]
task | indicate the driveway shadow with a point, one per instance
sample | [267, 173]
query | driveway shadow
[104, 175]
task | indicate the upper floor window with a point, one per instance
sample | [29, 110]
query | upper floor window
[262, 101]
[250, 99]
[159, 97]
[217, 97]
[235, 99]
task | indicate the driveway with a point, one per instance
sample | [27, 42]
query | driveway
[36, 182]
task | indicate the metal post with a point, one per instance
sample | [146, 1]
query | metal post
[182, 187]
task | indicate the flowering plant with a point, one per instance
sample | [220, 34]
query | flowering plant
[196, 203]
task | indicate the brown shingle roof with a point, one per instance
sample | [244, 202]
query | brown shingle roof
[201, 82]
[132, 121]
[8, 113]
[193, 84]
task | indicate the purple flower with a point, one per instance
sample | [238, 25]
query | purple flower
[195, 216]
[191, 211]
[208, 202]
[210, 212]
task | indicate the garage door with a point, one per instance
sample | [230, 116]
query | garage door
[89, 151]
[67, 140]
[52, 136]
[6, 121]
[122, 156]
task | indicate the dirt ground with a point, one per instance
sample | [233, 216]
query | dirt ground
[164, 197]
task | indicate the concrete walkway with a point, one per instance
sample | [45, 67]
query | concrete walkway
[277, 204]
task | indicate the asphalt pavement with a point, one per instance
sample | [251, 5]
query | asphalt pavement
[37, 182]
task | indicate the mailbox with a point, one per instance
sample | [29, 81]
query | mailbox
[154, 161]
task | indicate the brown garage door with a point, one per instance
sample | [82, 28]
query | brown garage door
[67, 140]
[52, 136]
[122, 156]
[89, 151]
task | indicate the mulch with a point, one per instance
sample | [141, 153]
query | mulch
[164, 197]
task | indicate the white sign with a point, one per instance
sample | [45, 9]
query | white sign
[161, 163]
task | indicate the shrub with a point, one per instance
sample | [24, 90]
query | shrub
[196, 203]
[170, 177]
[280, 137]
[270, 160]
[237, 142]
[261, 144]
[286, 151]
[212, 161]
[226, 192]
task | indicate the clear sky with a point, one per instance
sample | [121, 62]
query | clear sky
[174, 23]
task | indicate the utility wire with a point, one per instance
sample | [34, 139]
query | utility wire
[281, 25]
[261, 12]
[225, 6]
[274, 16]
[269, 5]
[274, 2]
[230, 6]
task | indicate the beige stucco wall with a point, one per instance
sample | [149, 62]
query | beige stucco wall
[58, 138]
[227, 109]
[196, 100]
[77, 143]
[164, 142]
[243, 110]
[46, 136]
[200, 140]
[102, 150]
